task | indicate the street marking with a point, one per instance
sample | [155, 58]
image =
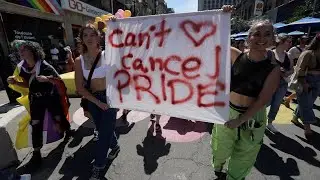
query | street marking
[173, 129]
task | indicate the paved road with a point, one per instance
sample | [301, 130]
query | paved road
[184, 155]
[3, 97]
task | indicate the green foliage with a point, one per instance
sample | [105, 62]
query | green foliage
[302, 11]
[239, 25]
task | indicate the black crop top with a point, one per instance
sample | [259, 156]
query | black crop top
[285, 64]
[248, 77]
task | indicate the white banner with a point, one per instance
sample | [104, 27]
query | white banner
[82, 8]
[176, 65]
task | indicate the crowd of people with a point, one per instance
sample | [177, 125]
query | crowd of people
[264, 66]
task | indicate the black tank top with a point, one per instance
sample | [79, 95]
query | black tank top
[286, 63]
[248, 77]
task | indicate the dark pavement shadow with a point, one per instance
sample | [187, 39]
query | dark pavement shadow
[316, 107]
[47, 166]
[294, 148]
[313, 142]
[210, 127]
[86, 129]
[123, 129]
[120, 130]
[183, 126]
[7, 107]
[152, 148]
[270, 163]
[80, 164]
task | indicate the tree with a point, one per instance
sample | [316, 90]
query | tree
[239, 25]
[303, 10]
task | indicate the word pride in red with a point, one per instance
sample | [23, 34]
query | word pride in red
[142, 74]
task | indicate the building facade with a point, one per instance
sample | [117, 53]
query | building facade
[213, 4]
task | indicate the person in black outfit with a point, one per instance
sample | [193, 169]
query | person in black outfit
[46, 92]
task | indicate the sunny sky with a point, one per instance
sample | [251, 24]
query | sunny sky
[181, 6]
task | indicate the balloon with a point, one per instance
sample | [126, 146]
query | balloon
[118, 15]
[105, 18]
[120, 10]
[95, 25]
[98, 19]
[127, 13]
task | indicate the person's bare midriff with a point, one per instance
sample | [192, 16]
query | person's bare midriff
[241, 100]
[98, 84]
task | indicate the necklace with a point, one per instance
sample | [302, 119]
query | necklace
[89, 60]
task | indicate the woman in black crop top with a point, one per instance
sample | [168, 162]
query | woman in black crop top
[308, 70]
[254, 79]
[283, 43]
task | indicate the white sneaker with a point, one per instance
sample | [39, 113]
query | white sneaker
[271, 128]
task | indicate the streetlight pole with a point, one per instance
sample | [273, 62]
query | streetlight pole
[134, 7]
[112, 6]
[155, 6]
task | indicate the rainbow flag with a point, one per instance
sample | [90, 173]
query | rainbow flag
[48, 6]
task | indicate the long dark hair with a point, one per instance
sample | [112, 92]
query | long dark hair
[314, 44]
[96, 31]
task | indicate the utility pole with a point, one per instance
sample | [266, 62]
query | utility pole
[112, 6]
[155, 6]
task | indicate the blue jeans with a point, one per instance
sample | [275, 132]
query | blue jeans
[277, 99]
[105, 122]
[306, 100]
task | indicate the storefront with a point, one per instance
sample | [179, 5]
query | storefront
[26, 20]
[19, 27]
[76, 15]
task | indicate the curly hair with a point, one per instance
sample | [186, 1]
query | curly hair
[16, 44]
[88, 26]
[35, 48]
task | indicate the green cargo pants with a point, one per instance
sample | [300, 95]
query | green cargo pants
[241, 145]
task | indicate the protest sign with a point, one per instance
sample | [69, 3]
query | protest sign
[176, 65]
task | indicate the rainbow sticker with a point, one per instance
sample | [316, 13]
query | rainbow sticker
[48, 6]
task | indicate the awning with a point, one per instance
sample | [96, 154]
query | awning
[279, 25]
[296, 33]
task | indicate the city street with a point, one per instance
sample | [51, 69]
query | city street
[184, 155]
[183, 58]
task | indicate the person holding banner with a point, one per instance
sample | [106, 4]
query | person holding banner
[103, 116]
[254, 79]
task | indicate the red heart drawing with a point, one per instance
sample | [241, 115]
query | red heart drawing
[196, 27]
